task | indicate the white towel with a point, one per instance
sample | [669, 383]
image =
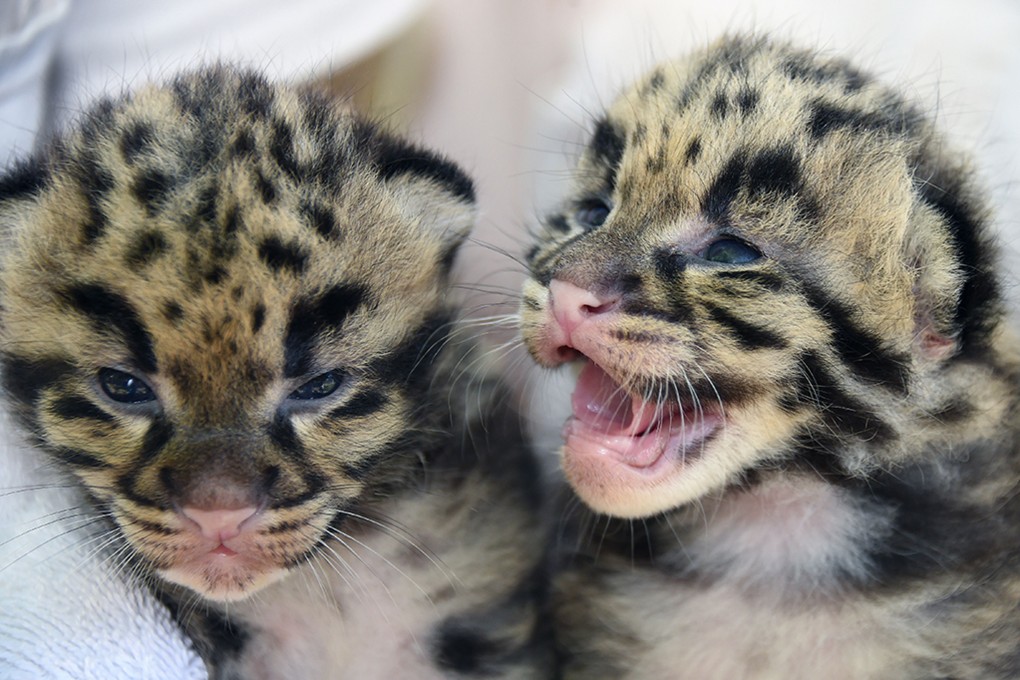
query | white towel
[65, 611]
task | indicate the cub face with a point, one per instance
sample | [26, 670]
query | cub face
[220, 306]
[765, 261]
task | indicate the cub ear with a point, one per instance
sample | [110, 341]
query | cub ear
[432, 190]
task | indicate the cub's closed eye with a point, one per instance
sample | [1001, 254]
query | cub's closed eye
[124, 387]
[319, 387]
[592, 213]
[731, 251]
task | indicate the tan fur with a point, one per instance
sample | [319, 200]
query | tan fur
[856, 357]
[229, 243]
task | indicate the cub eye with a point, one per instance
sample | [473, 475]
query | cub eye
[124, 387]
[318, 387]
[592, 213]
[731, 251]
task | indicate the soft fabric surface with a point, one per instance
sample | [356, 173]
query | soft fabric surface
[65, 612]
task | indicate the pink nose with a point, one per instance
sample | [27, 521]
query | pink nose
[219, 525]
[572, 305]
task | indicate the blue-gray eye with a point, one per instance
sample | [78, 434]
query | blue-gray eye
[592, 213]
[124, 387]
[319, 387]
[731, 251]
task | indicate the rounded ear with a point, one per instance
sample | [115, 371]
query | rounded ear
[957, 300]
[432, 190]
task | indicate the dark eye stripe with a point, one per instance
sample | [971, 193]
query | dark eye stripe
[110, 311]
[78, 408]
[312, 318]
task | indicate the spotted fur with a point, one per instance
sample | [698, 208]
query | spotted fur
[224, 311]
[796, 418]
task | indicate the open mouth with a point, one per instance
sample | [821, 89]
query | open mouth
[611, 427]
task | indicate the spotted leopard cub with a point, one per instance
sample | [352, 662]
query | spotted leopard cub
[795, 420]
[225, 314]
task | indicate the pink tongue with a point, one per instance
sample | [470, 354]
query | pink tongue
[601, 403]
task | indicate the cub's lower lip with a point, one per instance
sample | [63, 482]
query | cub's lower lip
[610, 426]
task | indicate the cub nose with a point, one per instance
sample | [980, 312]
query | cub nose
[219, 525]
[572, 305]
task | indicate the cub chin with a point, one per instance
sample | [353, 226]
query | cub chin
[225, 316]
[795, 419]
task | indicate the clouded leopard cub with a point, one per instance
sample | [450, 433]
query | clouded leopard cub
[795, 419]
[225, 314]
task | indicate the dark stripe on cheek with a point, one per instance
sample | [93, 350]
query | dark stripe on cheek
[283, 434]
[764, 279]
[106, 310]
[842, 412]
[748, 335]
[78, 408]
[361, 404]
[314, 484]
[159, 434]
[313, 318]
[78, 459]
[861, 351]
[25, 379]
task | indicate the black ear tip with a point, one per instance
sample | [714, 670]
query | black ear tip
[397, 157]
[25, 178]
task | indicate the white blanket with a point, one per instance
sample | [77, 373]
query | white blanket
[65, 611]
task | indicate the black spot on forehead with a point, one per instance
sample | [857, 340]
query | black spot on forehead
[136, 140]
[316, 318]
[607, 146]
[320, 218]
[724, 189]
[281, 256]
[693, 150]
[747, 100]
[258, 317]
[96, 183]
[773, 171]
[146, 247]
[281, 148]
[265, 187]
[243, 145]
[720, 105]
[151, 188]
[255, 95]
[172, 311]
[110, 311]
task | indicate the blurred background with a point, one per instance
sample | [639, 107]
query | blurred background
[509, 88]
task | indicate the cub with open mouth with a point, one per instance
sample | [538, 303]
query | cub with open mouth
[795, 419]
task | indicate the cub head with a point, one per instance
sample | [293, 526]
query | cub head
[767, 260]
[221, 303]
